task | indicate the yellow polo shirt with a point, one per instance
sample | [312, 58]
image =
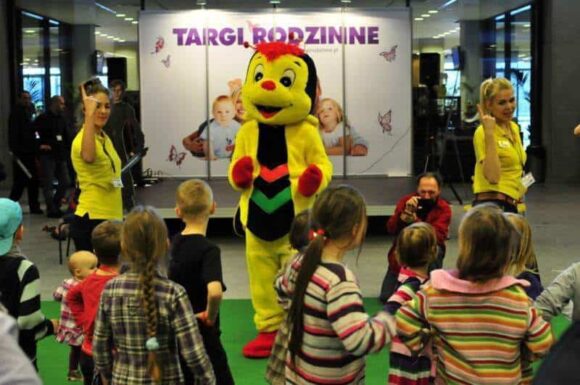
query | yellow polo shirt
[99, 197]
[512, 158]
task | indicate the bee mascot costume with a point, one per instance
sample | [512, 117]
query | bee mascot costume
[279, 164]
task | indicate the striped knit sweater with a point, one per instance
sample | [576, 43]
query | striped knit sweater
[478, 328]
[19, 289]
[338, 333]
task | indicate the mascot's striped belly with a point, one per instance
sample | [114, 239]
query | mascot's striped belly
[271, 210]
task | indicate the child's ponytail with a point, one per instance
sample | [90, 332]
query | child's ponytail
[310, 261]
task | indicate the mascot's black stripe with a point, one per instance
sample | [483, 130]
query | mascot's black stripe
[270, 227]
[272, 150]
[271, 189]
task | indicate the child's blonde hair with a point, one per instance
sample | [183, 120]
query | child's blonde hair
[486, 243]
[144, 244]
[194, 198]
[339, 112]
[490, 88]
[417, 245]
[222, 98]
[524, 258]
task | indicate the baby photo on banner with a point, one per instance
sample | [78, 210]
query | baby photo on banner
[193, 65]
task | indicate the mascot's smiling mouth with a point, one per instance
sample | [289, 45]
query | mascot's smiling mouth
[268, 111]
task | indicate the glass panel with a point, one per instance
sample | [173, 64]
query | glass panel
[55, 52]
[521, 67]
[33, 58]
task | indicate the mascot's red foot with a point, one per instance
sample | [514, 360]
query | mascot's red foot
[261, 346]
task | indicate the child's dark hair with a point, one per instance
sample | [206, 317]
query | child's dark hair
[106, 241]
[144, 243]
[417, 245]
[335, 215]
[486, 243]
[299, 230]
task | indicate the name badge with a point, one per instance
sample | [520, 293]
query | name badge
[117, 183]
[503, 143]
[59, 138]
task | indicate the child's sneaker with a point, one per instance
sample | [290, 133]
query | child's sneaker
[74, 375]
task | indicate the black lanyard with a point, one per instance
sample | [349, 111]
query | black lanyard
[108, 156]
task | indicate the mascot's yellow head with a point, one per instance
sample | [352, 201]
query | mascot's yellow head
[280, 85]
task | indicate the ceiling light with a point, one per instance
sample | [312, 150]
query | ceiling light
[425, 15]
[527, 25]
[104, 35]
[419, 19]
[97, 32]
[129, 19]
[433, 11]
[110, 37]
[134, 22]
[275, 2]
[345, 1]
[30, 31]
[447, 4]
[121, 15]
[201, 2]
[104, 8]
[522, 55]
[122, 40]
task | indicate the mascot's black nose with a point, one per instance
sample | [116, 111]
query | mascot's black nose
[269, 85]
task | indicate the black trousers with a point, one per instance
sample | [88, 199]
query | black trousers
[505, 206]
[217, 356]
[80, 231]
[21, 181]
[87, 368]
[53, 168]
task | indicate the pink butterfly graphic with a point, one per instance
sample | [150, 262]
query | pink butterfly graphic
[390, 55]
[175, 156]
[251, 26]
[159, 44]
[167, 61]
[385, 122]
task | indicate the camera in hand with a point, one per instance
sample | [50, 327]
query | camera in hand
[424, 206]
[91, 85]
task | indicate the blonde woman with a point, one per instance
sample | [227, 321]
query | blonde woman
[499, 153]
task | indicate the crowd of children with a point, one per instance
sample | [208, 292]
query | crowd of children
[157, 320]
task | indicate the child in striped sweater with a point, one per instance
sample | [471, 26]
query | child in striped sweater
[416, 250]
[330, 332]
[479, 317]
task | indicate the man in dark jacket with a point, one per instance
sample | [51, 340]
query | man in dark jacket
[23, 143]
[54, 150]
[126, 135]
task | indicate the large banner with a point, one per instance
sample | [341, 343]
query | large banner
[193, 64]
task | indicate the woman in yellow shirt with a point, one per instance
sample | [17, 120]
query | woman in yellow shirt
[97, 165]
[499, 153]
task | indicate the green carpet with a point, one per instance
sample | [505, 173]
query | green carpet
[238, 328]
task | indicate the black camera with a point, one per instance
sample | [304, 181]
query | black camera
[91, 85]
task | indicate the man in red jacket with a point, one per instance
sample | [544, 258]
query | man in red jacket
[425, 205]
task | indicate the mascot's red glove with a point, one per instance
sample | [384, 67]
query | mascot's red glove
[310, 180]
[242, 172]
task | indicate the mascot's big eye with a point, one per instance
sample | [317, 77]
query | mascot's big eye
[258, 73]
[287, 78]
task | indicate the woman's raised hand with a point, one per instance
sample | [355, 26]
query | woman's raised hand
[89, 102]
[487, 120]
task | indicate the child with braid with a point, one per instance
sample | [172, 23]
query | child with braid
[145, 318]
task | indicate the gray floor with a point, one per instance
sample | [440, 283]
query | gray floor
[551, 211]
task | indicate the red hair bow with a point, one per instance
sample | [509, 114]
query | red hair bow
[315, 233]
